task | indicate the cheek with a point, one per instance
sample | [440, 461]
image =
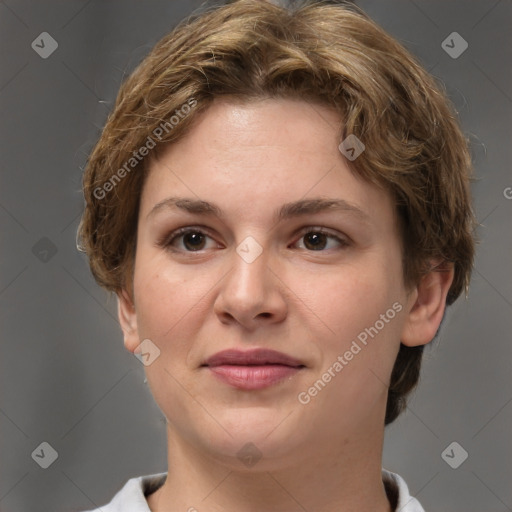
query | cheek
[161, 298]
[165, 315]
[351, 299]
[363, 308]
[364, 313]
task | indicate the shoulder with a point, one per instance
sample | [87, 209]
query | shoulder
[132, 496]
[398, 493]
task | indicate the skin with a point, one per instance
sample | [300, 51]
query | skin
[310, 304]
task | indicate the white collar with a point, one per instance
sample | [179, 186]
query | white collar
[132, 497]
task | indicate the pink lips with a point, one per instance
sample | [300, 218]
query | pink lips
[252, 369]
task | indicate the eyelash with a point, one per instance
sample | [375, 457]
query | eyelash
[167, 241]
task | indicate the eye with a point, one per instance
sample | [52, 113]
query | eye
[194, 239]
[186, 239]
[316, 239]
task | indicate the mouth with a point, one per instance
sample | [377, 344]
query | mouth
[253, 369]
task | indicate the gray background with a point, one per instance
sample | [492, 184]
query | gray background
[65, 377]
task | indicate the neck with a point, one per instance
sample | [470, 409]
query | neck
[344, 478]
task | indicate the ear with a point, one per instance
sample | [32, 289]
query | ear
[428, 304]
[128, 320]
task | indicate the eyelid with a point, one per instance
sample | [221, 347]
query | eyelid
[343, 239]
[166, 240]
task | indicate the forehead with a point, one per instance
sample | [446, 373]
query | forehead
[270, 122]
[260, 155]
[230, 129]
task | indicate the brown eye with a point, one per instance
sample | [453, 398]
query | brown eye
[319, 240]
[187, 240]
[315, 241]
[194, 240]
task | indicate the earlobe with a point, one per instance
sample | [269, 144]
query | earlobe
[427, 310]
[128, 320]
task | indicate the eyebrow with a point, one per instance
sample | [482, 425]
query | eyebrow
[288, 210]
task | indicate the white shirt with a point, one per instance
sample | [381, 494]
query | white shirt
[132, 497]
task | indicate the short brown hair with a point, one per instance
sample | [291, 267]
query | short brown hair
[332, 55]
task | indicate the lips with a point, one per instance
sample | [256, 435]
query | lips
[252, 369]
[255, 357]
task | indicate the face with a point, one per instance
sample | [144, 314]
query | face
[255, 237]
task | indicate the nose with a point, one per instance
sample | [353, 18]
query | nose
[251, 293]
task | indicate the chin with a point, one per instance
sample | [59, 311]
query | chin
[257, 433]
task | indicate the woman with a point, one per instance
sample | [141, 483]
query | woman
[280, 200]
